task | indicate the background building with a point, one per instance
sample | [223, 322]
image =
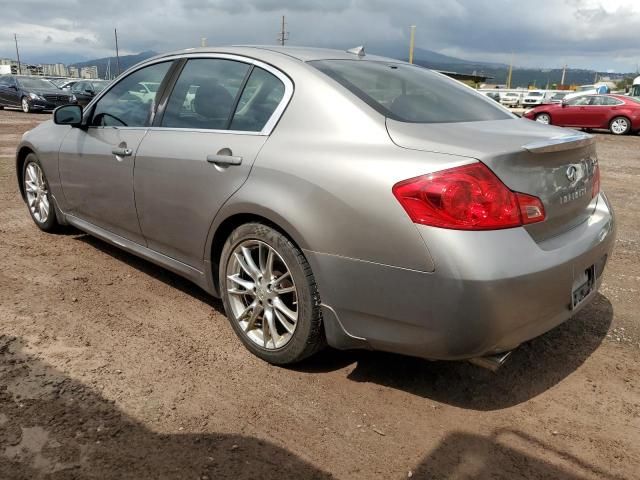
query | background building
[89, 72]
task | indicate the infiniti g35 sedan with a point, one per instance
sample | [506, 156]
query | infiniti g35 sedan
[332, 198]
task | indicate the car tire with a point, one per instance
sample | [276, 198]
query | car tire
[620, 126]
[38, 196]
[544, 118]
[25, 105]
[248, 249]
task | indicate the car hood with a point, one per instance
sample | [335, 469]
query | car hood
[47, 91]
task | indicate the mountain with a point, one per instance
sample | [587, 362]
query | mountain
[424, 56]
[126, 61]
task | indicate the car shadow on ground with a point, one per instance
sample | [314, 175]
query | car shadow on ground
[55, 427]
[533, 368]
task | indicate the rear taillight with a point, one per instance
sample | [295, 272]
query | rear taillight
[595, 182]
[470, 197]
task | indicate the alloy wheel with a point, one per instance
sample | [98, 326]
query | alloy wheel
[37, 194]
[26, 108]
[619, 126]
[543, 118]
[262, 294]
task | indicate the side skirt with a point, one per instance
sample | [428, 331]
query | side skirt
[182, 269]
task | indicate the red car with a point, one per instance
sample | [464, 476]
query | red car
[617, 113]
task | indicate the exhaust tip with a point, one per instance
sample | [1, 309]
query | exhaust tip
[491, 362]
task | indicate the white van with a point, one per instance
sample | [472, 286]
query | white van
[536, 97]
[511, 99]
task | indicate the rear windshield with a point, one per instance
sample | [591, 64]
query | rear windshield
[411, 94]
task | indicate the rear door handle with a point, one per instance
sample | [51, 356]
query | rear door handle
[224, 159]
[122, 152]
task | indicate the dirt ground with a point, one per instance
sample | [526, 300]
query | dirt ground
[111, 367]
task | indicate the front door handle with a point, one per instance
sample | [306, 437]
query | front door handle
[224, 157]
[122, 152]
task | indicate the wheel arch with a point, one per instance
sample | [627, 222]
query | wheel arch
[21, 157]
[222, 228]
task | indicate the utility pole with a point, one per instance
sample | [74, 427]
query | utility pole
[412, 42]
[15, 37]
[115, 31]
[283, 35]
[510, 72]
[564, 73]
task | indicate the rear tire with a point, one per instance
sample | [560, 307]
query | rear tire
[257, 302]
[544, 118]
[620, 126]
[38, 196]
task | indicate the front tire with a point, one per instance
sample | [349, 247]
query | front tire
[37, 195]
[620, 126]
[26, 106]
[270, 295]
[544, 118]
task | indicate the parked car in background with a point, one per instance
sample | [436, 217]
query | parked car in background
[511, 99]
[619, 114]
[85, 90]
[66, 83]
[31, 93]
[330, 197]
[493, 96]
[595, 89]
[558, 97]
[536, 97]
[146, 91]
[635, 88]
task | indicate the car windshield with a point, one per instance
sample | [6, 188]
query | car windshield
[35, 83]
[558, 96]
[99, 86]
[584, 88]
[535, 94]
[411, 94]
[152, 87]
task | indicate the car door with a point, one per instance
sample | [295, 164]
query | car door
[201, 150]
[573, 113]
[4, 85]
[96, 162]
[12, 93]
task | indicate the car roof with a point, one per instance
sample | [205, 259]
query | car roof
[304, 54]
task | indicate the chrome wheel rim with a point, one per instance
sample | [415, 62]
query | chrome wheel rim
[619, 126]
[37, 194]
[262, 294]
[543, 119]
[25, 105]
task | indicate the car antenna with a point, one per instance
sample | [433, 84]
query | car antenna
[359, 51]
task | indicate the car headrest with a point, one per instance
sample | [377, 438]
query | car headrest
[212, 100]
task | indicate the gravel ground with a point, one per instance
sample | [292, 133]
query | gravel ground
[111, 367]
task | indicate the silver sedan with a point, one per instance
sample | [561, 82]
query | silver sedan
[332, 198]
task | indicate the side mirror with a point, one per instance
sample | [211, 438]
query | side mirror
[88, 91]
[68, 115]
[564, 103]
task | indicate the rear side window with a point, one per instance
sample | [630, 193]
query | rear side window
[205, 94]
[260, 98]
[411, 94]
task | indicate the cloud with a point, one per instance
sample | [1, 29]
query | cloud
[589, 33]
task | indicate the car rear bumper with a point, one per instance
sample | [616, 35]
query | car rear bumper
[490, 291]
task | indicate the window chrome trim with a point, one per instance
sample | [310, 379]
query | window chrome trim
[268, 127]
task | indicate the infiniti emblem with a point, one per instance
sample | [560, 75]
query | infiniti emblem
[572, 173]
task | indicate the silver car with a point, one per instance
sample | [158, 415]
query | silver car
[332, 198]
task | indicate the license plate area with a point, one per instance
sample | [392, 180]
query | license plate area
[583, 285]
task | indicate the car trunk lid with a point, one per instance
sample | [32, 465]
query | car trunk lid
[554, 164]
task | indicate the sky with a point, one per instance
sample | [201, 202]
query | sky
[592, 34]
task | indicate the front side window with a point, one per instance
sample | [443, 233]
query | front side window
[205, 94]
[123, 105]
[411, 94]
[260, 98]
[579, 101]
